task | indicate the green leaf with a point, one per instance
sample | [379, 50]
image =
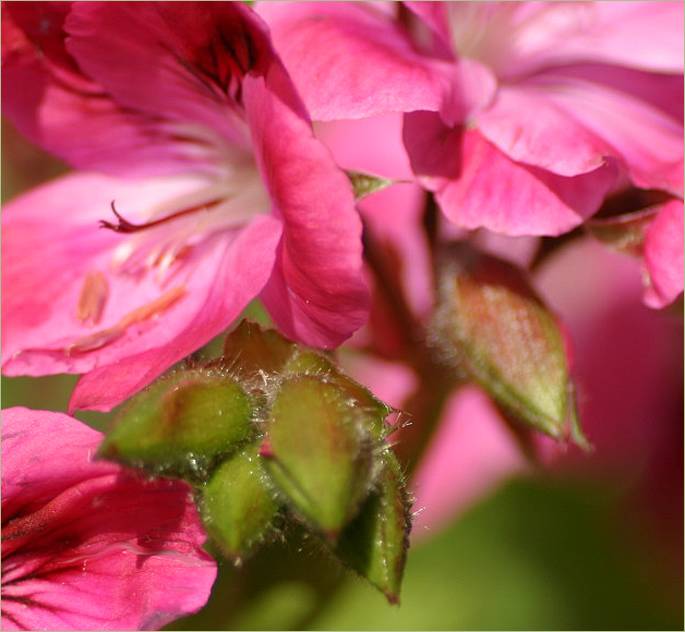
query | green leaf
[365, 184]
[319, 452]
[238, 504]
[375, 543]
[502, 335]
[181, 424]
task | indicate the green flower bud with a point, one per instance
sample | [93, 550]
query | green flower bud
[238, 504]
[319, 452]
[181, 424]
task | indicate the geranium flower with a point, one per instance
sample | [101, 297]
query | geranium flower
[521, 116]
[89, 546]
[219, 193]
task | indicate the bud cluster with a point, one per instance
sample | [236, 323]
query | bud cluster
[269, 433]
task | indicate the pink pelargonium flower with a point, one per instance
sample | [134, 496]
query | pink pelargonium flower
[521, 116]
[220, 190]
[90, 546]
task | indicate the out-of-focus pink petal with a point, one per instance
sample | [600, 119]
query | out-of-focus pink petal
[231, 275]
[478, 186]
[518, 39]
[104, 549]
[434, 15]
[350, 60]
[663, 255]
[627, 368]
[374, 145]
[48, 97]
[371, 145]
[551, 139]
[632, 112]
[507, 197]
[316, 293]
[471, 452]
[635, 34]
[179, 62]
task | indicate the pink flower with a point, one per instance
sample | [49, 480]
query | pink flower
[521, 116]
[207, 157]
[89, 546]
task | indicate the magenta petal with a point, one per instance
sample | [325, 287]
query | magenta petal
[237, 273]
[168, 60]
[478, 186]
[434, 15]
[316, 293]
[637, 114]
[552, 139]
[88, 545]
[664, 255]
[47, 97]
[351, 60]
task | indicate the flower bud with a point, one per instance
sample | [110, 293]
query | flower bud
[181, 424]
[238, 504]
[502, 336]
[320, 451]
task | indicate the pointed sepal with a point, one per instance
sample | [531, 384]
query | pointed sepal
[375, 543]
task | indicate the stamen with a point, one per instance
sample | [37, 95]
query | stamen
[110, 334]
[93, 298]
[124, 226]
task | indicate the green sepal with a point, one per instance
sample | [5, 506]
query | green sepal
[319, 452]
[251, 351]
[262, 357]
[375, 543]
[181, 424]
[492, 326]
[365, 184]
[238, 504]
[307, 362]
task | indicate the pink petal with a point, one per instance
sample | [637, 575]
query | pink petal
[478, 186]
[47, 97]
[42, 331]
[168, 60]
[663, 255]
[374, 145]
[628, 376]
[231, 275]
[551, 139]
[370, 145]
[471, 453]
[104, 551]
[642, 35]
[351, 60]
[28, 478]
[316, 293]
[434, 15]
[634, 113]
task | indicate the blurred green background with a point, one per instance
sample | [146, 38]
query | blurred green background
[559, 553]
